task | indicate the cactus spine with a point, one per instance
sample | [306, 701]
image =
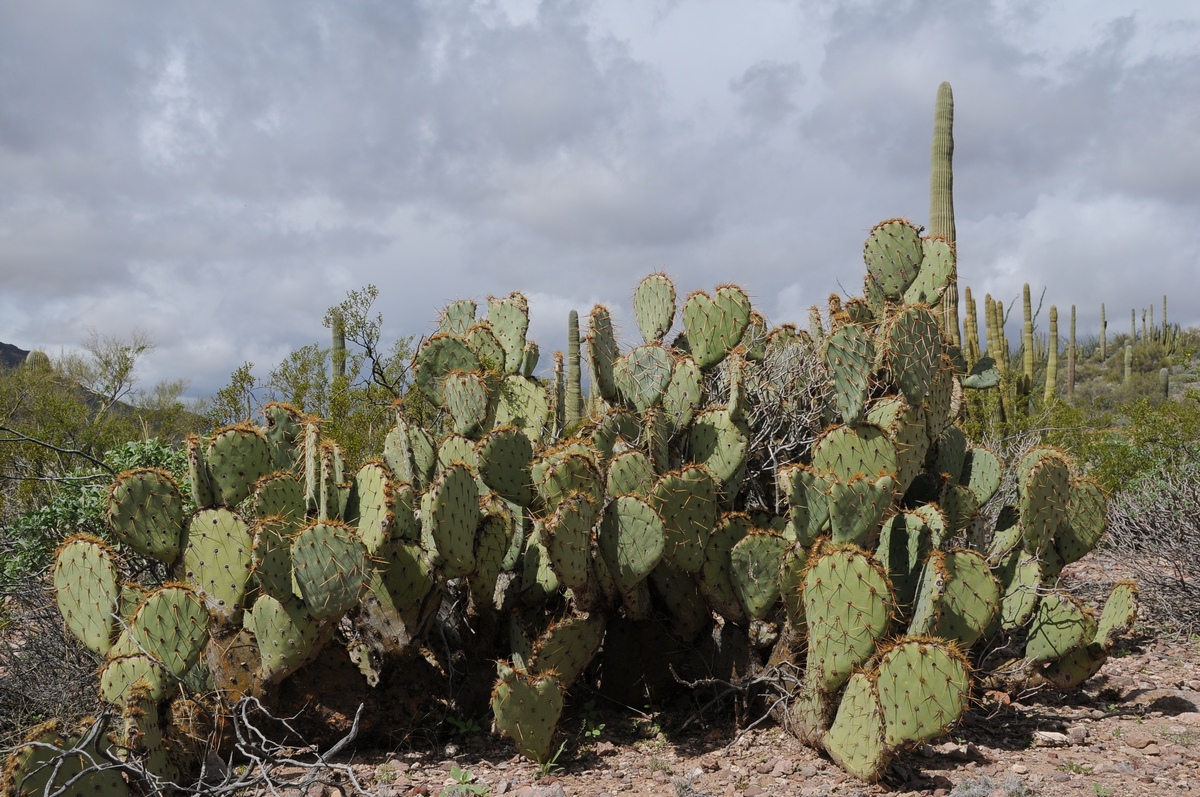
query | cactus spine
[941, 198]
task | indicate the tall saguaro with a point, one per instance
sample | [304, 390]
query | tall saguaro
[941, 198]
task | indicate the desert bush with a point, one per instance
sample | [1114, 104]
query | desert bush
[1154, 529]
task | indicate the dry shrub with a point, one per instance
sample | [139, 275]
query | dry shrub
[44, 672]
[1154, 529]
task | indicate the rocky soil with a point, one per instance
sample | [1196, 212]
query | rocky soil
[1133, 729]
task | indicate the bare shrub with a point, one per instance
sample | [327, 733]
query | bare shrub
[44, 672]
[1154, 529]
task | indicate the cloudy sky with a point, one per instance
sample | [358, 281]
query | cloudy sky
[217, 174]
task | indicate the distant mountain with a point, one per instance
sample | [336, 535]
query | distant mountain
[11, 356]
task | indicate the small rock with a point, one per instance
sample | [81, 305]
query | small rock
[1137, 739]
[658, 776]
[1061, 777]
[1019, 769]
[765, 767]
[783, 768]
[502, 787]
[1151, 749]
[1050, 738]
[808, 772]
[753, 791]
[605, 749]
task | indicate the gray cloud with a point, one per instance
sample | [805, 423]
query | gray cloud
[219, 174]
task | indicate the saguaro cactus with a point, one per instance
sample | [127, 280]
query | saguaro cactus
[1052, 357]
[941, 198]
[574, 397]
[1027, 340]
[1071, 357]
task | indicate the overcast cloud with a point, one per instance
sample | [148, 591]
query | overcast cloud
[218, 174]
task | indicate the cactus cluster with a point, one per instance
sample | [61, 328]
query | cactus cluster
[576, 529]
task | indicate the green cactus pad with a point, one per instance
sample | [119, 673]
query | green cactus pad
[369, 507]
[791, 584]
[849, 357]
[527, 709]
[1084, 523]
[686, 500]
[455, 448]
[119, 675]
[171, 626]
[567, 471]
[1044, 491]
[272, 556]
[849, 451]
[334, 490]
[237, 457]
[449, 517]
[630, 539]
[654, 307]
[1074, 668]
[965, 604]
[807, 500]
[1020, 574]
[567, 647]
[217, 560]
[938, 267]
[279, 494]
[847, 605]
[509, 318]
[855, 739]
[493, 540]
[285, 433]
[960, 506]
[35, 768]
[893, 254]
[530, 360]
[906, 428]
[631, 473]
[952, 449]
[857, 506]
[754, 570]
[539, 582]
[523, 402]
[754, 341]
[438, 356]
[198, 475]
[287, 634]
[410, 453]
[941, 406]
[603, 353]
[481, 340]
[406, 576]
[904, 543]
[923, 688]
[1060, 625]
[715, 325]
[684, 393]
[331, 568]
[1120, 611]
[981, 472]
[457, 318]
[722, 445]
[144, 508]
[567, 539]
[642, 375]
[465, 395]
[87, 589]
[405, 526]
[505, 459]
[911, 351]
